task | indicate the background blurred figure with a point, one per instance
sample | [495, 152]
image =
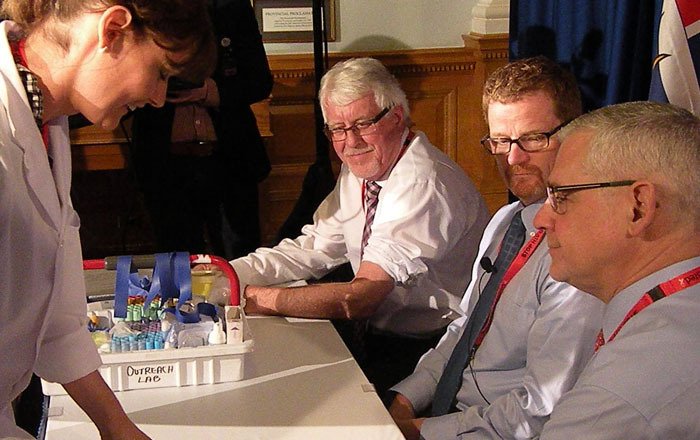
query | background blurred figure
[199, 159]
[58, 58]
[623, 223]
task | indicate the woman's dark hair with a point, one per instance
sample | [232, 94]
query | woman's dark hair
[175, 25]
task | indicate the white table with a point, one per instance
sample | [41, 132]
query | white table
[300, 382]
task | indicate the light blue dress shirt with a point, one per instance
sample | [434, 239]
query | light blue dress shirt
[542, 335]
[645, 383]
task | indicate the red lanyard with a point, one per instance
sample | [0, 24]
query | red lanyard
[17, 48]
[661, 291]
[517, 264]
[408, 140]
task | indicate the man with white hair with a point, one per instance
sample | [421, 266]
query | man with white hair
[402, 213]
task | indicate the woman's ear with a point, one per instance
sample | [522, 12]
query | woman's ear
[112, 28]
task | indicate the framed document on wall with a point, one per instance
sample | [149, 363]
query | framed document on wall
[291, 21]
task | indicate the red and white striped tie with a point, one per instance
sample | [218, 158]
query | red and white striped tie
[371, 201]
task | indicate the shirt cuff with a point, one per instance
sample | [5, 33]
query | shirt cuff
[440, 428]
[418, 388]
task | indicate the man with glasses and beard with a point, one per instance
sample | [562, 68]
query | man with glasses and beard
[524, 338]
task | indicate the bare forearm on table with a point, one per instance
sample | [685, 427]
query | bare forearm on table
[356, 299]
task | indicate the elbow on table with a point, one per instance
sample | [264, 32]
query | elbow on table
[355, 311]
[362, 303]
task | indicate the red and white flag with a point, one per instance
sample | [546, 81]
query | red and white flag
[676, 66]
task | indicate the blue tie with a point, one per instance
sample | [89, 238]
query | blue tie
[451, 378]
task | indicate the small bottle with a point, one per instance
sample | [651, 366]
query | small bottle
[217, 335]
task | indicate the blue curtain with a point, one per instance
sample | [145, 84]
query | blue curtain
[608, 44]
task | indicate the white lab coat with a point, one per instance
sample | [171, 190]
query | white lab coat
[42, 291]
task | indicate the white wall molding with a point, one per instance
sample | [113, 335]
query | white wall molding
[491, 17]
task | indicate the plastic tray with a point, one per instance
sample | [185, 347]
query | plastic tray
[178, 366]
[175, 367]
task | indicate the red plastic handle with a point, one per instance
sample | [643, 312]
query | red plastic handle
[226, 267]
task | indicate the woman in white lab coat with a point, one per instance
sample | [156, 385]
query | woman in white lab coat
[99, 58]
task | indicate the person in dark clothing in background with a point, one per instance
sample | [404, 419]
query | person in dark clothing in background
[199, 158]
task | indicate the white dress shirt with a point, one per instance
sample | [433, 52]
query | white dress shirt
[645, 383]
[425, 234]
[42, 290]
[541, 337]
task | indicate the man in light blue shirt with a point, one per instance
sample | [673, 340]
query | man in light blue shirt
[542, 332]
[622, 222]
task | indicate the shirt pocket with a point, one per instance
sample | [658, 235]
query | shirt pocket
[512, 321]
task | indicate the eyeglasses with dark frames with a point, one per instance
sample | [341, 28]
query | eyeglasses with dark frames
[557, 195]
[528, 142]
[362, 128]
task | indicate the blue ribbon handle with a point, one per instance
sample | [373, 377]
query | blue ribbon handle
[163, 278]
[182, 283]
[171, 279]
[128, 284]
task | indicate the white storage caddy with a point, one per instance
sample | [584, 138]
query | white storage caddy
[177, 367]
